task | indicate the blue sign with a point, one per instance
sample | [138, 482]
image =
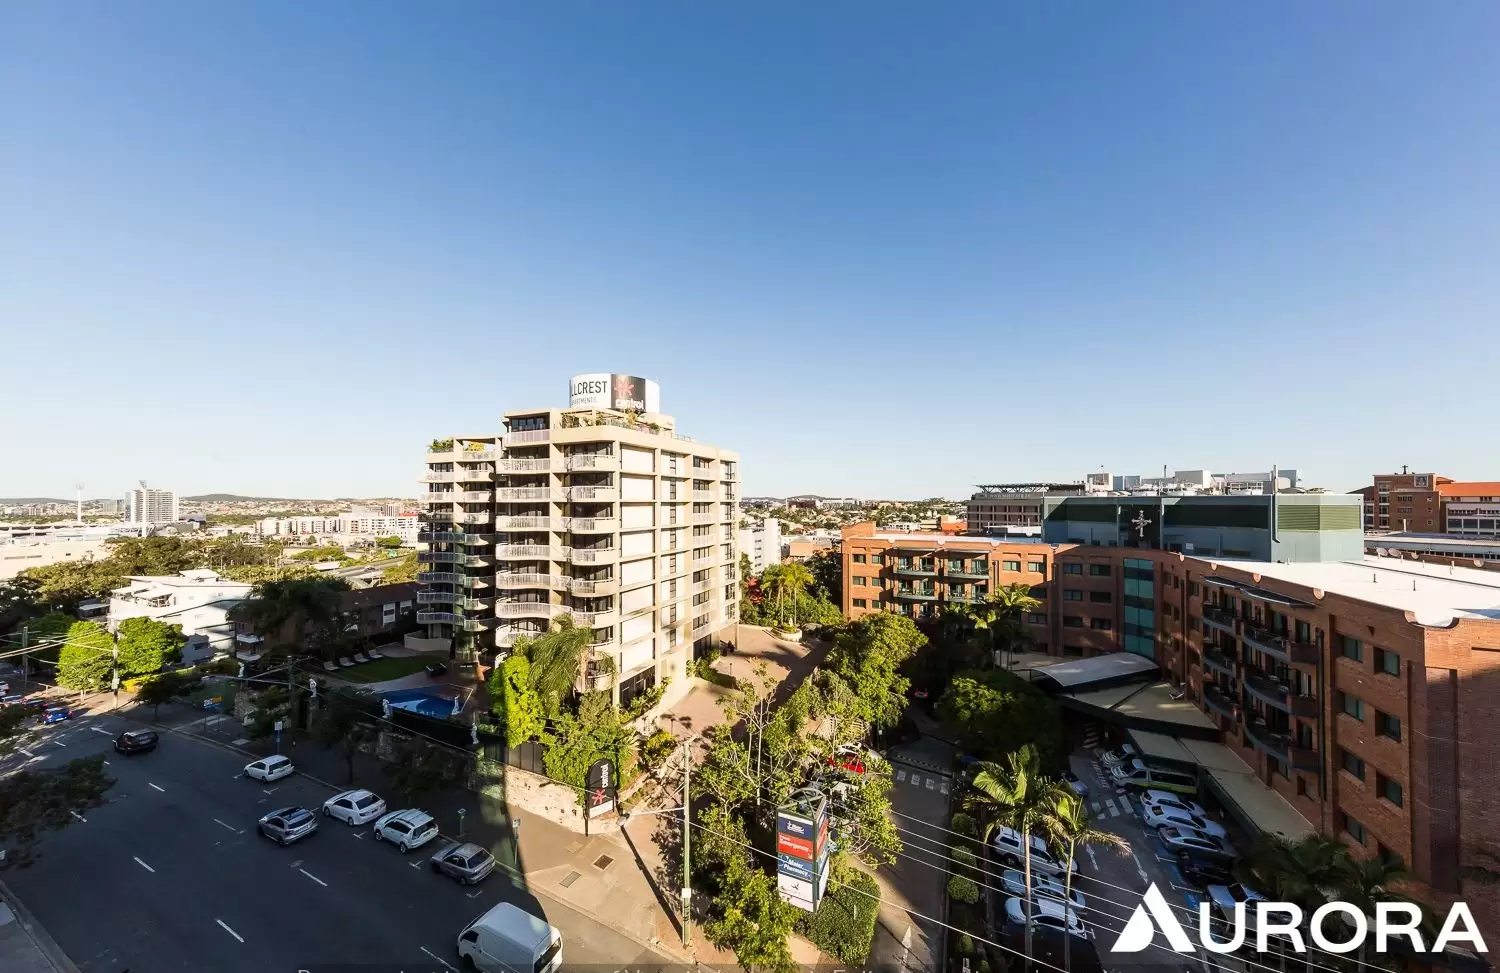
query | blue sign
[790, 825]
[795, 867]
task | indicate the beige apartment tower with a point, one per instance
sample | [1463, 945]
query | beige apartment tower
[600, 511]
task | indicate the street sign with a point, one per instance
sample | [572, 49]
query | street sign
[796, 847]
[278, 726]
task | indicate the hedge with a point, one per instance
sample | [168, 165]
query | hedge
[844, 924]
[963, 889]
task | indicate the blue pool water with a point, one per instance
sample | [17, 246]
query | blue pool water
[423, 701]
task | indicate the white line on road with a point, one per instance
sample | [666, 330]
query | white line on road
[268, 793]
[1093, 859]
[313, 877]
[901, 776]
[59, 743]
[1139, 868]
[106, 763]
[32, 755]
[1109, 802]
[144, 865]
[162, 789]
[474, 894]
[231, 932]
[230, 826]
[98, 730]
[415, 864]
[438, 958]
[1097, 806]
[357, 834]
[79, 817]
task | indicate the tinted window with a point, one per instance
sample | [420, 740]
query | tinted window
[397, 826]
[365, 801]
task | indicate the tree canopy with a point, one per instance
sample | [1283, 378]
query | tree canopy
[146, 645]
[85, 660]
[868, 654]
[993, 711]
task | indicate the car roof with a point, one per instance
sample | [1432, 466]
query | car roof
[468, 849]
[273, 759]
[353, 795]
[411, 815]
[139, 733]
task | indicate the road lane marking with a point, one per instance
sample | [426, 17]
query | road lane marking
[144, 865]
[437, 957]
[313, 877]
[357, 834]
[1109, 802]
[474, 894]
[162, 789]
[97, 730]
[943, 788]
[59, 743]
[106, 763]
[223, 825]
[268, 793]
[231, 932]
[79, 816]
[1092, 859]
[32, 755]
[901, 776]
[415, 864]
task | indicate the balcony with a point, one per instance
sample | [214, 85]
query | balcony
[1214, 659]
[590, 589]
[605, 555]
[478, 561]
[593, 525]
[438, 499]
[698, 520]
[1283, 746]
[730, 474]
[705, 496]
[476, 540]
[531, 523]
[970, 572]
[438, 597]
[1268, 691]
[528, 579]
[916, 594]
[528, 609]
[439, 577]
[467, 517]
[441, 536]
[705, 560]
[473, 582]
[439, 557]
[525, 436]
[476, 624]
[509, 494]
[1273, 644]
[442, 477]
[706, 584]
[1307, 707]
[595, 619]
[480, 605]
[438, 618]
[473, 455]
[912, 570]
[593, 461]
[1219, 619]
[543, 464]
[962, 598]
[1304, 653]
[596, 493]
[474, 474]
[531, 552]
[1215, 700]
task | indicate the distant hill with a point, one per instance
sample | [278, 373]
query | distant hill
[236, 498]
[8, 501]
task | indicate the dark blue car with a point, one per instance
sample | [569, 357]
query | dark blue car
[56, 714]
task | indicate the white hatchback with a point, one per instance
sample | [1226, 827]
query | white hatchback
[270, 768]
[1159, 816]
[407, 829]
[354, 807]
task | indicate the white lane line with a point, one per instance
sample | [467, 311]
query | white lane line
[268, 793]
[223, 825]
[79, 817]
[1097, 805]
[231, 932]
[900, 775]
[313, 877]
[943, 787]
[162, 789]
[106, 763]
[415, 864]
[32, 755]
[97, 730]
[438, 958]
[59, 743]
[357, 834]
[144, 865]
[1109, 802]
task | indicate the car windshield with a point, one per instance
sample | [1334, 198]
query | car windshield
[367, 801]
[296, 818]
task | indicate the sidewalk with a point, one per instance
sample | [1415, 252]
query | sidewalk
[25, 946]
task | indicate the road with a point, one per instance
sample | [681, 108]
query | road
[920, 793]
[171, 874]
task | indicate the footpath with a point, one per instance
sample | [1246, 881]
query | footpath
[25, 946]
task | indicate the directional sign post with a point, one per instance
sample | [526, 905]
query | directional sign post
[802, 849]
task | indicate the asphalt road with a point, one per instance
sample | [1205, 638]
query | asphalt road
[917, 881]
[171, 874]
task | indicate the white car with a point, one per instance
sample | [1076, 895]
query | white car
[1049, 913]
[1008, 849]
[1042, 886]
[270, 768]
[1166, 799]
[354, 807]
[1124, 755]
[406, 829]
[1161, 817]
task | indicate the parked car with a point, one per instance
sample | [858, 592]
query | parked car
[436, 669]
[1123, 755]
[467, 863]
[354, 807]
[1048, 913]
[1178, 839]
[851, 759]
[269, 768]
[406, 829]
[1160, 798]
[55, 714]
[1042, 886]
[1158, 816]
[1078, 786]
[1008, 847]
[288, 824]
[135, 741]
[1204, 872]
[1224, 897]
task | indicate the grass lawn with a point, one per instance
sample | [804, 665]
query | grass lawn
[379, 670]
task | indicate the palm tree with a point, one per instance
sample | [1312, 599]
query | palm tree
[1001, 615]
[1071, 827]
[1018, 797]
[786, 581]
[1364, 883]
[1301, 871]
[556, 658]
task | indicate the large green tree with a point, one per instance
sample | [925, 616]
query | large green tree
[1002, 616]
[574, 741]
[147, 644]
[513, 699]
[868, 655]
[557, 659]
[33, 802]
[309, 607]
[85, 660]
[784, 584]
[990, 712]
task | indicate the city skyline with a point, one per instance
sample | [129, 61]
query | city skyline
[888, 253]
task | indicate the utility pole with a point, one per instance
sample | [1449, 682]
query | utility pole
[25, 659]
[687, 860]
[291, 694]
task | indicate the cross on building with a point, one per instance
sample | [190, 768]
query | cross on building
[1140, 523]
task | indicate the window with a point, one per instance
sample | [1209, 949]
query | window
[1351, 827]
[1101, 597]
[1098, 570]
[1352, 765]
[1010, 565]
[858, 581]
[859, 559]
[1192, 589]
[1352, 705]
[1072, 567]
[860, 603]
[1387, 662]
[877, 558]
[1388, 789]
[1352, 649]
[1101, 624]
[1036, 567]
[1387, 725]
[1072, 621]
[1072, 594]
[1036, 618]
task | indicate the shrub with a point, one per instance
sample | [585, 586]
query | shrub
[962, 889]
[964, 859]
[965, 945]
[844, 924]
[964, 824]
[657, 748]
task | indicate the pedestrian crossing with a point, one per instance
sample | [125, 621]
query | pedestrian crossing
[931, 782]
[1113, 807]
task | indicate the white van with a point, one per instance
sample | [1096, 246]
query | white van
[1138, 773]
[508, 940]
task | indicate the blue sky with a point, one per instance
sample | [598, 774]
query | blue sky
[881, 249]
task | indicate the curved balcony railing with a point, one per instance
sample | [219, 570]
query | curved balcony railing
[529, 579]
[439, 577]
[529, 609]
[590, 589]
[531, 552]
[531, 523]
[474, 517]
[607, 555]
[438, 597]
[593, 525]
[545, 464]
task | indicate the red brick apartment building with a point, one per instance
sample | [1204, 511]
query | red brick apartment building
[1364, 693]
[1428, 503]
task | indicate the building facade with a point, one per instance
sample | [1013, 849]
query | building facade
[145, 505]
[1471, 509]
[199, 601]
[761, 541]
[355, 523]
[600, 512]
[997, 505]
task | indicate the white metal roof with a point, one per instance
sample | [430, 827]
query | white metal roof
[1081, 672]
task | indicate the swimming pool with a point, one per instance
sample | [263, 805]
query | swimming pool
[425, 701]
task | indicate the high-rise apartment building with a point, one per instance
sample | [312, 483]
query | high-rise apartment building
[601, 512]
[145, 505]
[761, 540]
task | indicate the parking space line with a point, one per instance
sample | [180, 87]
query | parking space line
[162, 789]
[144, 865]
[415, 864]
[1109, 802]
[900, 775]
[313, 877]
[356, 834]
[437, 957]
[59, 743]
[223, 825]
[32, 755]
[79, 816]
[231, 932]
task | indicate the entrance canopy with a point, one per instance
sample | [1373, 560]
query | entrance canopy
[1075, 674]
[1254, 806]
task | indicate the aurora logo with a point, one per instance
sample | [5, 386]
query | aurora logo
[1284, 921]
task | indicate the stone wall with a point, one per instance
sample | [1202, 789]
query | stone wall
[537, 795]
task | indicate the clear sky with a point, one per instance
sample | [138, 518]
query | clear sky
[881, 249]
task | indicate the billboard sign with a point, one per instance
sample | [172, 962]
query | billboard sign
[601, 787]
[792, 845]
[787, 824]
[606, 390]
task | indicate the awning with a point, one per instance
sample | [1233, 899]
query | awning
[1159, 746]
[1100, 668]
[1151, 707]
[1162, 704]
[1257, 808]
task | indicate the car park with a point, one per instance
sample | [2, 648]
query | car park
[55, 714]
[1158, 816]
[1179, 839]
[288, 824]
[466, 863]
[354, 807]
[406, 829]
[1048, 913]
[1123, 754]
[269, 768]
[1042, 886]
[1160, 798]
[136, 741]
[1009, 850]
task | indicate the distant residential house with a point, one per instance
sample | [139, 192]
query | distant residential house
[199, 601]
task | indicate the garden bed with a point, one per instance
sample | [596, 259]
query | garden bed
[382, 670]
